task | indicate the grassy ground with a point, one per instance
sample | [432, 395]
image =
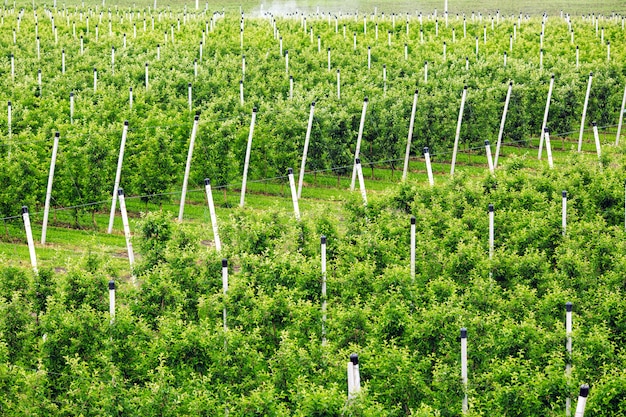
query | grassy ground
[68, 239]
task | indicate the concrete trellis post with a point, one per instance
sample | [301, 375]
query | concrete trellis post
[458, 131]
[568, 347]
[324, 299]
[209, 195]
[359, 172]
[582, 401]
[129, 243]
[29, 238]
[354, 377]
[112, 301]
[507, 100]
[294, 194]
[596, 138]
[545, 115]
[621, 118]
[247, 158]
[429, 168]
[44, 226]
[224, 288]
[491, 231]
[192, 141]
[413, 248]
[489, 157]
[464, 379]
[307, 139]
[564, 211]
[118, 174]
[546, 135]
[410, 137]
[358, 144]
[582, 120]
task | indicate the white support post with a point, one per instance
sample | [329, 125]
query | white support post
[354, 377]
[338, 84]
[192, 141]
[294, 194]
[357, 150]
[118, 175]
[545, 116]
[189, 96]
[130, 98]
[582, 401]
[429, 168]
[489, 157]
[425, 71]
[224, 288]
[46, 211]
[323, 256]
[112, 301]
[328, 53]
[359, 172]
[71, 107]
[491, 231]
[247, 159]
[564, 212]
[502, 123]
[209, 197]
[129, 243]
[307, 138]
[146, 77]
[465, 407]
[582, 120]
[568, 347]
[458, 131]
[410, 137]
[621, 118]
[95, 79]
[413, 248]
[291, 85]
[596, 138]
[29, 239]
[546, 134]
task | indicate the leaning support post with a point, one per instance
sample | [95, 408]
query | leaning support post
[546, 135]
[357, 150]
[429, 168]
[307, 139]
[118, 174]
[458, 131]
[621, 118]
[582, 120]
[29, 239]
[359, 172]
[545, 116]
[209, 197]
[294, 194]
[247, 159]
[596, 138]
[502, 123]
[410, 137]
[129, 243]
[46, 210]
[194, 131]
[489, 157]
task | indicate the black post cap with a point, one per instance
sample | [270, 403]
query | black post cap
[354, 358]
[125, 122]
[10, 102]
[120, 191]
[224, 263]
[584, 390]
[57, 134]
[425, 150]
[323, 240]
[358, 161]
[594, 124]
[130, 88]
[416, 91]
[289, 171]
[564, 193]
[24, 209]
[568, 307]
[546, 130]
[71, 95]
[111, 285]
[463, 333]
[312, 104]
[189, 85]
[412, 219]
[366, 99]
[240, 82]
[552, 77]
[486, 143]
[196, 118]
[254, 110]
[490, 208]
[207, 181]
[591, 74]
